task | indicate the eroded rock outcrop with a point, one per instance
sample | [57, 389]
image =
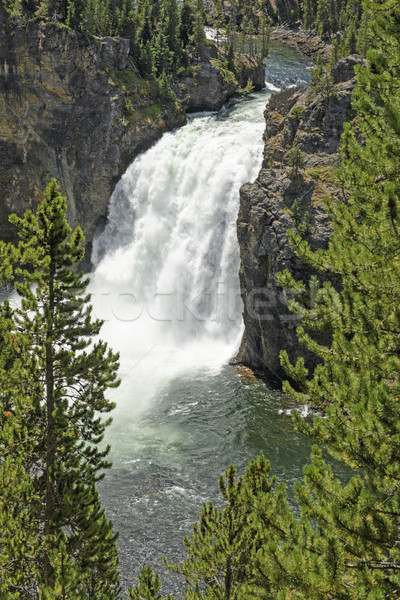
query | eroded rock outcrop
[280, 200]
[211, 87]
[74, 108]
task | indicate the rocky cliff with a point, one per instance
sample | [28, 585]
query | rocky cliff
[307, 42]
[212, 85]
[287, 197]
[74, 108]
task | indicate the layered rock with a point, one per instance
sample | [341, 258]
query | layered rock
[74, 108]
[280, 200]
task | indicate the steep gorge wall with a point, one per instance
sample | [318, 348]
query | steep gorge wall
[74, 108]
[276, 202]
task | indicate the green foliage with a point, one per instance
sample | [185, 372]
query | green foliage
[356, 385]
[166, 92]
[295, 159]
[348, 18]
[162, 55]
[265, 32]
[170, 29]
[219, 563]
[296, 113]
[53, 384]
[249, 87]
[148, 587]
[158, 31]
[323, 21]
[199, 36]
[187, 22]
[309, 13]
[321, 80]
[301, 219]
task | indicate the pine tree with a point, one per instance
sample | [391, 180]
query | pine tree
[167, 94]
[220, 561]
[96, 17]
[199, 36]
[56, 407]
[323, 20]
[162, 55]
[265, 32]
[148, 587]
[355, 536]
[309, 12]
[218, 20]
[321, 80]
[170, 28]
[186, 22]
[146, 32]
[363, 36]
[295, 159]
[19, 544]
[345, 542]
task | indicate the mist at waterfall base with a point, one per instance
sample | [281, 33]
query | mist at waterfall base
[166, 283]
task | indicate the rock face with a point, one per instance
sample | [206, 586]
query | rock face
[307, 42]
[63, 116]
[210, 88]
[280, 200]
[74, 108]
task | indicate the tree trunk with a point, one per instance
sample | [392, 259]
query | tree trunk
[50, 432]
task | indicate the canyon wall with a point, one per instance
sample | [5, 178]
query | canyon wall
[281, 199]
[73, 107]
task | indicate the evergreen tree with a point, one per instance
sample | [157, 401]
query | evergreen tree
[96, 17]
[265, 32]
[323, 20]
[148, 587]
[186, 22]
[295, 159]
[363, 36]
[56, 408]
[162, 55]
[350, 39]
[321, 80]
[170, 29]
[356, 534]
[309, 12]
[166, 92]
[199, 36]
[218, 20]
[146, 32]
[145, 61]
[220, 562]
[19, 544]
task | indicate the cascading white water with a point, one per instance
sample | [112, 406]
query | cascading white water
[166, 279]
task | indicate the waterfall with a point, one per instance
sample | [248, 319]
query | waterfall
[166, 283]
[166, 277]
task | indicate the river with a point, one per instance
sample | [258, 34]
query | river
[166, 283]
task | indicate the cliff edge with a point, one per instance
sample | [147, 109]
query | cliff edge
[301, 137]
[73, 107]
